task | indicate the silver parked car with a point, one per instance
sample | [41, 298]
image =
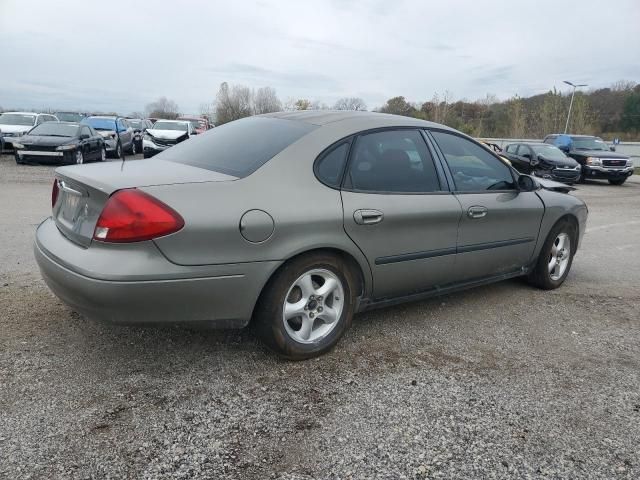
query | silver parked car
[296, 221]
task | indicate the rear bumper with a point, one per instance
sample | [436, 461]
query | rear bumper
[606, 173]
[151, 290]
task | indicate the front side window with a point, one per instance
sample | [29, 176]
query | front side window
[473, 168]
[512, 148]
[392, 161]
[523, 151]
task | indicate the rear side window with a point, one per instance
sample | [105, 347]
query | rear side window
[512, 148]
[238, 148]
[474, 169]
[392, 161]
[330, 166]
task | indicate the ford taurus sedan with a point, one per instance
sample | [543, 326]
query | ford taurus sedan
[296, 221]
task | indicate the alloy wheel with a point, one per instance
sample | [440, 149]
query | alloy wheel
[559, 256]
[313, 305]
[79, 157]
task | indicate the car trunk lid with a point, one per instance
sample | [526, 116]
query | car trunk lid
[84, 190]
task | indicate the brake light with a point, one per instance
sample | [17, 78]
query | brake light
[132, 216]
[54, 193]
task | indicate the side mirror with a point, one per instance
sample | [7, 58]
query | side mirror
[526, 183]
[527, 156]
[536, 160]
[83, 136]
[612, 148]
[194, 133]
[564, 148]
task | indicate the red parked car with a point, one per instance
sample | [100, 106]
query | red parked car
[199, 123]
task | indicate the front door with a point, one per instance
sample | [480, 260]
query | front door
[500, 224]
[399, 212]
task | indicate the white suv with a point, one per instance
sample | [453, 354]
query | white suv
[16, 124]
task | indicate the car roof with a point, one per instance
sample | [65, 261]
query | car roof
[572, 135]
[172, 121]
[366, 119]
[28, 113]
[534, 144]
[110, 117]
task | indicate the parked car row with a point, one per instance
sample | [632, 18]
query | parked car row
[75, 137]
[597, 160]
[570, 159]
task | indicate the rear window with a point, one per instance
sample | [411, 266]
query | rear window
[100, 123]
[238, 148]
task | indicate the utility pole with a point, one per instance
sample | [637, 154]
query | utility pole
[566, 127]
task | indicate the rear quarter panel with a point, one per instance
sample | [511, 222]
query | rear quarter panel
[307, 214]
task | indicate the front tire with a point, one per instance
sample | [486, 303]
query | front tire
[118, 150]
[307, 306]
[79, 157]
[103, 154]
[618, 181]
[134, 150]
[556, 257]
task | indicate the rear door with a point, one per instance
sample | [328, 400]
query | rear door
[399, 212]
[499, 224]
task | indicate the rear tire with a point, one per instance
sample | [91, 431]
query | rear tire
[617, 181]
[118, 151]
[556, 257]
[306, 306]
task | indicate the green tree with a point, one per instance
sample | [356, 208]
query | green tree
[303, 104]
[517, 118]
[581, 118]
[631, 113]
[398, 106]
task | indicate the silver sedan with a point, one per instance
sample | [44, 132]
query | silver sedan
[296, 221]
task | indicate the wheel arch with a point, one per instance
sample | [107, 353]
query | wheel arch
[361, 273]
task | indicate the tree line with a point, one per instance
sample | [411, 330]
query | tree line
[610, 112]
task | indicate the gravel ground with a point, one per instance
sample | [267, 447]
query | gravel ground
[504, 381]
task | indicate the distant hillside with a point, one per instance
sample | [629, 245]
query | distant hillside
[608, 112]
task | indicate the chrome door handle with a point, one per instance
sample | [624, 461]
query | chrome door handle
[477, 212]
[368, 217]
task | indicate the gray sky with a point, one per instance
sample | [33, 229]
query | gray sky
[120, 55]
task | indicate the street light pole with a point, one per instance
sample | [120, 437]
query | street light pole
[566, 126]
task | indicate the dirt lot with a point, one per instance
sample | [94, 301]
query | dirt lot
[503, 381]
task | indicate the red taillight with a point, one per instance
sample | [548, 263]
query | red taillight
[132, 216]
[54, 193]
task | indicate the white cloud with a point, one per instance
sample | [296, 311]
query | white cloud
[120, 55]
